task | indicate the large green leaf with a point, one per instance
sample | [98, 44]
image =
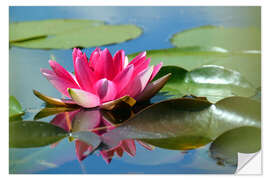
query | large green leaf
[243, 140]
[15, 108]
[25, 134]
[70, 33]
[229, 39]
[210, 81]
[22, 31]
[247, 64]
[187, 123]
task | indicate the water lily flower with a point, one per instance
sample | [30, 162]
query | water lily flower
[104, 78]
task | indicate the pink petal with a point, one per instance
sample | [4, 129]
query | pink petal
[94, 58]
[84, 98]
[82, 149]
[137, 85]
[126, 62]
[78, 53]
[119, 61]
[152, 88]
[104, 66]
[84, 74]
[123, 78]
[143, 65]
[156, 70]
[129, 147]
[137, 59]
[106, 90]
[61, 72]
[59, 83]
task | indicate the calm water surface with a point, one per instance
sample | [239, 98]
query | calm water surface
[158, 24]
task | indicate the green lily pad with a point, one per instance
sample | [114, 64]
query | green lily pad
[25, 134]
[15, 108]
[189, 58]
[65, 34]
[213, 82]
[229, 39]
[187, 123]
[28, 30]
[240, 140]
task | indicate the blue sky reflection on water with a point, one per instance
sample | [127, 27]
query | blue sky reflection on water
[158, 24]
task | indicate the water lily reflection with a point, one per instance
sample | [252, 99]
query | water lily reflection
[93, 120]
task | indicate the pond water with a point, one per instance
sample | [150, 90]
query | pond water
[158, 24]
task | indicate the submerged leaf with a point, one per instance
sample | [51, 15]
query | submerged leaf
[225, 148]
[15, 108]
[187, 123]
[25, 134]
[210, 81]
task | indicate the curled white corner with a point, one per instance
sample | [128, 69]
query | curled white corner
[249, 163]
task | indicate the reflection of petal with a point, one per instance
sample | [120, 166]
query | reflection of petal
[107, 155]
[119, 151]
[86, 120]
[62, 120]
[129, 147]
[82, 150]
[145, 145]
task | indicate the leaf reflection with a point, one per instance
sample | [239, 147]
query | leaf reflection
[177, 124]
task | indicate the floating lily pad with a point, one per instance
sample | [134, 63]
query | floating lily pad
[247, 64]
[229, 39]
[213, 82]
[25, 134]
[240, 140]
[187, 123]
[15, 108]
[28, 30]
[65, 34]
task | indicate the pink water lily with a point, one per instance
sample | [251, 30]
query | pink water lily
[103, 78]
